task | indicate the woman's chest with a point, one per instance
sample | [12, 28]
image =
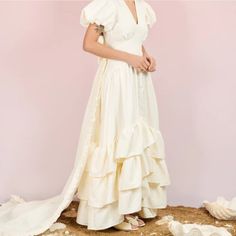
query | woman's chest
[126, 27]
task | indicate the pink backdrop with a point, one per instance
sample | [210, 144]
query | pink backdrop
[45, 81]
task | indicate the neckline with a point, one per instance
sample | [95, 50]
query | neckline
[135, 19]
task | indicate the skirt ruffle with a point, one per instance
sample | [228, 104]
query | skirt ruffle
[127, 176]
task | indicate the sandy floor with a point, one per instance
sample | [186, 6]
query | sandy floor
[180, 213]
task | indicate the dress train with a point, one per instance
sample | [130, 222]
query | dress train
[20, 218]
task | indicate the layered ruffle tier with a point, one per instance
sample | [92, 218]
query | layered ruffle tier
[127, 176]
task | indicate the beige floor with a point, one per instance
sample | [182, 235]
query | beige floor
[180, 213]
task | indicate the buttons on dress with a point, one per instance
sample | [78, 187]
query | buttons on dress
[141, 86]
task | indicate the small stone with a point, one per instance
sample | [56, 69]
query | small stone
[67, 232]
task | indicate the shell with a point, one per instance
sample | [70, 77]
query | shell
[221, 208]
[179, 229]
[57, 226]
[164, 220]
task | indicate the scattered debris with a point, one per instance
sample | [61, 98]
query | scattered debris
[181, 213]
[229, 226]
[71, 213]
[57, 226]
[164, 220]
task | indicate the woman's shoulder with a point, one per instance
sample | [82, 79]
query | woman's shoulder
[99, 3]
[101, 12]
[149, 11]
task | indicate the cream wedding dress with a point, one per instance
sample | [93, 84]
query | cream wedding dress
[120, 161]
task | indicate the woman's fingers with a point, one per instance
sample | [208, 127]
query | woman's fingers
[152, 69]
[146, 62]
[152, 64]
[143, 67]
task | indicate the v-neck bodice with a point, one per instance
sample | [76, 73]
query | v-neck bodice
[121, 29]
[136, 16]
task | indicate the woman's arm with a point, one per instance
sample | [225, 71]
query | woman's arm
[91, 45]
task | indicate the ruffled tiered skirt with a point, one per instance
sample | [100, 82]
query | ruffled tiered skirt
[125, 170]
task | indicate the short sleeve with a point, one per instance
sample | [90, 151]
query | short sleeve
[150, 14]
[101, 12]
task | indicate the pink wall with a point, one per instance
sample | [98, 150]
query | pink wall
[44, 87]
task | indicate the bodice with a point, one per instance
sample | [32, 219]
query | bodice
[120, 28]
[126, 34]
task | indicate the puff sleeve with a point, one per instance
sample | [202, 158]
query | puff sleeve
[101, 12]
[150, 14]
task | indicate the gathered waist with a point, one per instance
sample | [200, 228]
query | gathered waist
[116, 62]
[127, 46]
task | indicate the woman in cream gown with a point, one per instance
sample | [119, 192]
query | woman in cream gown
[120, 164]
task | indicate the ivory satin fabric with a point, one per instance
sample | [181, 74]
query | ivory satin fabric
[120, 161]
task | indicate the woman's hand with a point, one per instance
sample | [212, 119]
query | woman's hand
[152, 61]
[140, 63]
[152, 66]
